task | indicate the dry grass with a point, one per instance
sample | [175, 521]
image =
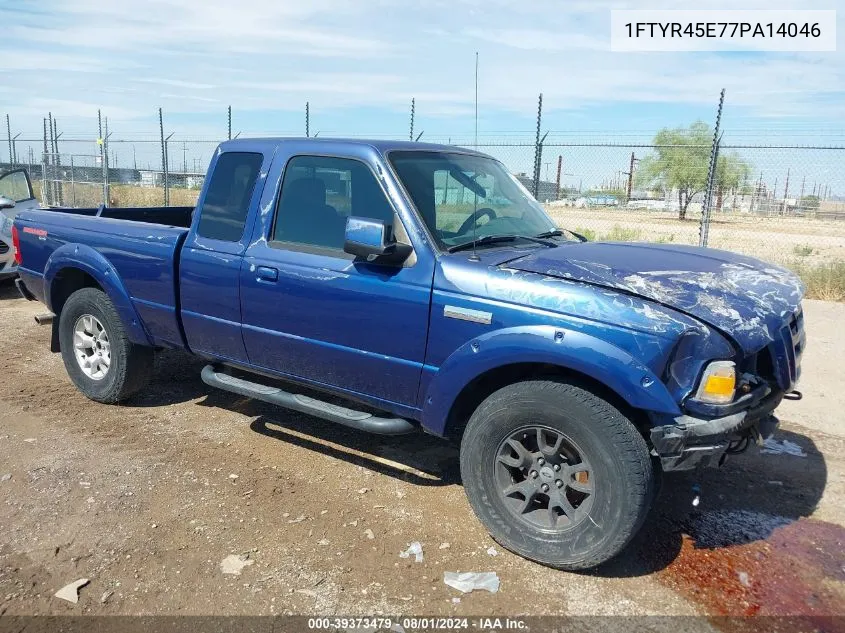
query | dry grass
[88, 195]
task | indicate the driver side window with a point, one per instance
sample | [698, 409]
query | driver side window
[455, 203]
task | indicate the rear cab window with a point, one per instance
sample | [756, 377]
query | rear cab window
[226, 204]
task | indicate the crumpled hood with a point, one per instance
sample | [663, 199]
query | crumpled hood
[746, 298]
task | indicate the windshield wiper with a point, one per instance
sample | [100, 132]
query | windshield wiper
[559, 233]
[495, 239]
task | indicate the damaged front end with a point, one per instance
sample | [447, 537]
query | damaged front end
[706, 432]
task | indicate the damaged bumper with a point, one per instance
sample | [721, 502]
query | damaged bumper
[686, 442]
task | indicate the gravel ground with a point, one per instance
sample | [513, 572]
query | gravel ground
[147, 499]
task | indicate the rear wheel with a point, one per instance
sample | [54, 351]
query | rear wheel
[99, 358]
[556, 473]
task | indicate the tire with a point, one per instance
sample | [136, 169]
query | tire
[129, 366]
[600, 451]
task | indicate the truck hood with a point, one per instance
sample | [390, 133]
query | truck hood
[746, 298]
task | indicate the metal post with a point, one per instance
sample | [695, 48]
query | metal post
[631, 176]
[704, 227]
[106, 185]
[167, 169]
[102, 143]
[9, 132]
[537, 148]
[229, 117]
[58, 160]
[307, 119]
[163, 157]
[72, 184]
[411, 135]
[45, 185]
[51, 149]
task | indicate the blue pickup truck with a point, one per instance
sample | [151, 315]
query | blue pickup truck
[423, 286]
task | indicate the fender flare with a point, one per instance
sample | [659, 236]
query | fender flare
[611, 366]
[95, 264]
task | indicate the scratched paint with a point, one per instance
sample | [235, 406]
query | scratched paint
[745, 297]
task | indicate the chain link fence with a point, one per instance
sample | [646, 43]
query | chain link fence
[776, 203]
[783, 204]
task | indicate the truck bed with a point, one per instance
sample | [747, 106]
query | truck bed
[168, 216]
[140, 244]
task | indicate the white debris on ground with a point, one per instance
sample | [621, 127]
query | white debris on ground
[492, 551]
[234, 563]
[414, 549]
[444, 546]
[369, 534]
[772, 446]
[720, 528]
[6, 477]
[469, 581]
[106, 595]
[743, 579]
[71, 592]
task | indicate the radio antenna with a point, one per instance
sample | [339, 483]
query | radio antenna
[474, 257]
[476, 99]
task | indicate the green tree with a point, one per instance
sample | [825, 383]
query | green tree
[680, 162]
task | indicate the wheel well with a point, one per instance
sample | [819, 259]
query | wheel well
[474, 393]
[66, 282]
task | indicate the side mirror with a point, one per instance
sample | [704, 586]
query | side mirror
[373, 240]
[5, 203]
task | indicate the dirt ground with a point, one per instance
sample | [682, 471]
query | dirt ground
[145, 500]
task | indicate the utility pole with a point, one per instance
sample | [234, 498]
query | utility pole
[557, 178]
[631, 176]
[101, 141]
[229, 117]
[307, 119]
[786, 192]
[413, 107]
[801, 195]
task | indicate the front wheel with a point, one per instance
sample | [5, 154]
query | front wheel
[556, 473]
[99, 358]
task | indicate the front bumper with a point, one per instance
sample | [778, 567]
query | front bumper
[686, 442]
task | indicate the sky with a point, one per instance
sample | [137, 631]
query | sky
[360, 62]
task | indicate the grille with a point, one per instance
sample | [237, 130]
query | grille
[790, 348]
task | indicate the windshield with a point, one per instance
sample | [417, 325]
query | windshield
[456, 193]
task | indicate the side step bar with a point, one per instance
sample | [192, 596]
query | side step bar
[331, 412]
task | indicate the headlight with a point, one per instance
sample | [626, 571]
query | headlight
[718, 384]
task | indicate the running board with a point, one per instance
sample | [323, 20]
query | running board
[331, 412]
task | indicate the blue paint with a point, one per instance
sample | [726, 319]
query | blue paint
[643, 320]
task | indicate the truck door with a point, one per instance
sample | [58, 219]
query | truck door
[312, 311]
[210, 263]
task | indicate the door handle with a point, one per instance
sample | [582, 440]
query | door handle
[265, 273]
